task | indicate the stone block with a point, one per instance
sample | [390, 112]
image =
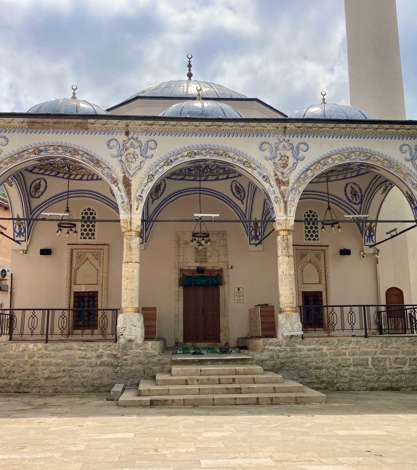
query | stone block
[116, 391]
[246, 400]
[360, 361]
[283, 399]
[198, 401]
[223, 400]
[185, 370]
[217, 370]
[249, 370]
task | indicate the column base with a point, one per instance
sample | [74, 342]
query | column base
[289, 324]
[130, 328]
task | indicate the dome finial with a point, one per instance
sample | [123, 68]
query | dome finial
[189, 66]
[199, 91]
[74, 89]
[323, 101]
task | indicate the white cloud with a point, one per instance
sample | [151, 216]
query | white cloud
[283, 51]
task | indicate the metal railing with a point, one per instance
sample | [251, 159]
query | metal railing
[45, 324]
[358, 320]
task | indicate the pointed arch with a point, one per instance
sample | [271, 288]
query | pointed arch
[403, 176]
[42, 150]
[251, 167]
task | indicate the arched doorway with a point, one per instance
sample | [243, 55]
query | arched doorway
[396, 319]
[67, 263]
[346, 261]
[208, 291]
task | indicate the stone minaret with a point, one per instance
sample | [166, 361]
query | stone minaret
[375, 77]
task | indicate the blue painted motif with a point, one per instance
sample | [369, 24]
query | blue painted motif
[158, 190]
[353, 193]
[411, 153]
[238, 191]
[38, 187]
[204, 171]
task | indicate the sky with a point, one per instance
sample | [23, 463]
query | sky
[281, 51]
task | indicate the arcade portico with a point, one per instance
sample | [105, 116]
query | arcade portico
[191, 214]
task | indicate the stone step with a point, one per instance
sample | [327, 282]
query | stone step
[150, 388]
[265, 378]
[308, 396]
[197, 370]
[213, 359]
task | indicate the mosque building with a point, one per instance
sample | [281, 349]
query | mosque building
[191, 214]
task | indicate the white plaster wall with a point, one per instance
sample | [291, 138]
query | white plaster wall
[398, 257]
[40, 281]
[350, 279]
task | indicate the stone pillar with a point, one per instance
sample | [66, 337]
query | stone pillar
[289, 323]
[130, 323]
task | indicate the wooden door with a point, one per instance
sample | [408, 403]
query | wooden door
[394, 299]
[312, 309]
[201, 314]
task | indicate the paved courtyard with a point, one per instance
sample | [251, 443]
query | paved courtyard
[353, 431]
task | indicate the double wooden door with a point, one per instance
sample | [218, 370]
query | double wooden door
[201, 314]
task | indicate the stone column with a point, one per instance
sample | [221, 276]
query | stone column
[130, 323]
[289, 323]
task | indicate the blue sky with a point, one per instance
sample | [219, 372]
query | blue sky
[282, 51]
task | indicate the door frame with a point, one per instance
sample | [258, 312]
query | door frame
[398, 315]
[218, 332]
[103, 286]
[323, 287]
[224, 319]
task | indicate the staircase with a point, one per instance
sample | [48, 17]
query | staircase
[218, 379]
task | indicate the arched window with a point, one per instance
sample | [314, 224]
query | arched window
[88, 224]
[311, 226]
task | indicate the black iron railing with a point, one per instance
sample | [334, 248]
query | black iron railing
[358, 320]
[44, 324]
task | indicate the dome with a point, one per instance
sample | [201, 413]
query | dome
[71, 105]
[326, 110]
[201, 109]
[188, 89]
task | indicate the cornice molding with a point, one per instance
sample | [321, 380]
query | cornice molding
[406, 130]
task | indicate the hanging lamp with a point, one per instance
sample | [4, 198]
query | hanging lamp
[70, 228]
[329, 218]
[200, 237]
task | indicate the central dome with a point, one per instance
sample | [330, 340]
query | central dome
[202, 109]
[188, 89]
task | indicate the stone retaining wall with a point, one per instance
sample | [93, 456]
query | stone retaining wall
[376, 363]
[66, 367]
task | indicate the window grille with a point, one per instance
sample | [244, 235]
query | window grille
[88, 224]
[311, 226]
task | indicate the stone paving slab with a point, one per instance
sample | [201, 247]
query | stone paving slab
[352, 431]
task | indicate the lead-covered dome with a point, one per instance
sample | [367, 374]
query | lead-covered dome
[202, 109]
[326, 110]
[188, 89]
[71, 105]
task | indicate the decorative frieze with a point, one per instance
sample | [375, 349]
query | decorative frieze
[132, 152]
[3, 142]
[411, 153]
